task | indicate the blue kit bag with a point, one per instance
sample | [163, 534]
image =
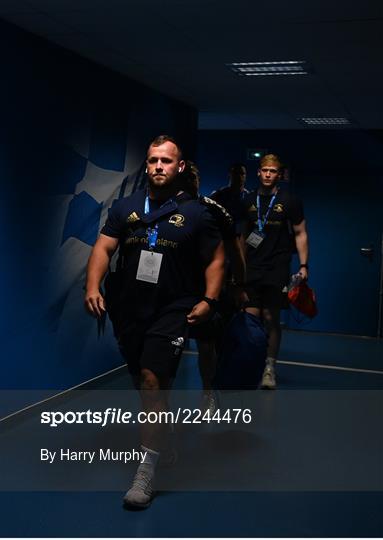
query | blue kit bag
[243, 354]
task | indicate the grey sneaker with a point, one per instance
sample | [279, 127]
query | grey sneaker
[141, 493]
[209, 403]
[268, 379]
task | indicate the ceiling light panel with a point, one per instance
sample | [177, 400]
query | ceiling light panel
[259, 69]
[325, 121]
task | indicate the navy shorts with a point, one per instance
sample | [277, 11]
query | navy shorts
[156, 344]
[267, 296]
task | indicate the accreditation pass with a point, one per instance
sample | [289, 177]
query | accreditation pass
[149, 266]
[255, 238]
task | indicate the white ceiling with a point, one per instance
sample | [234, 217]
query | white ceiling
[180, 47]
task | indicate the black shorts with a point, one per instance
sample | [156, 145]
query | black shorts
[267, 296]
[156, 344]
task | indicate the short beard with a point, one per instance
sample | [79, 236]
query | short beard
[164, 191]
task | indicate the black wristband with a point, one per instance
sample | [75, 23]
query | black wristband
[305, 265]
[211, 301]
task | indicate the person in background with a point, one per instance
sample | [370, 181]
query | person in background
[231, 197]
[274, 227]
[208, 335]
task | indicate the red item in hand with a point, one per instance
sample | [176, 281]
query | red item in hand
[302, 297]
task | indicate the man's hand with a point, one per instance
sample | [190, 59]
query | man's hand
[303, 273]
[95, 303]
[199, 313]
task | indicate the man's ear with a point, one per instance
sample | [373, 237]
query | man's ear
[181, 166]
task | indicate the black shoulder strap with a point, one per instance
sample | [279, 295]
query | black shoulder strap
[134, 220]
[155, 215]
[168, 208]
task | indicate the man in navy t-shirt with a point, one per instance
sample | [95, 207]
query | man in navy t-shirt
[275, 226]
[170, 273]
[231, 197]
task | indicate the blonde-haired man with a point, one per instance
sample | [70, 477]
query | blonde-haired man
[275, 226]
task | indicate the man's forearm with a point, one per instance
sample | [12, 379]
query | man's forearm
[97, 267]
[301, 241]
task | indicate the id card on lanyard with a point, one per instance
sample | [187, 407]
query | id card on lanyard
[257, 236]
[149, 265]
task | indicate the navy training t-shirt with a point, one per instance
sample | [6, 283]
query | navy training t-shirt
[270, 261]
[187, 239]
[232, 201]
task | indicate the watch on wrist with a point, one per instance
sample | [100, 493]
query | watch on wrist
[211, 301]
[304, 265]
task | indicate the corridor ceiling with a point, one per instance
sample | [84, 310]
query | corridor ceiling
[182, 48]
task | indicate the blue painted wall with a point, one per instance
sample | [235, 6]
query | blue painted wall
[338, 176]
[71, 133]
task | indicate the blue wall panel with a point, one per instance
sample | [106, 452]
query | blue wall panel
[70, 137]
